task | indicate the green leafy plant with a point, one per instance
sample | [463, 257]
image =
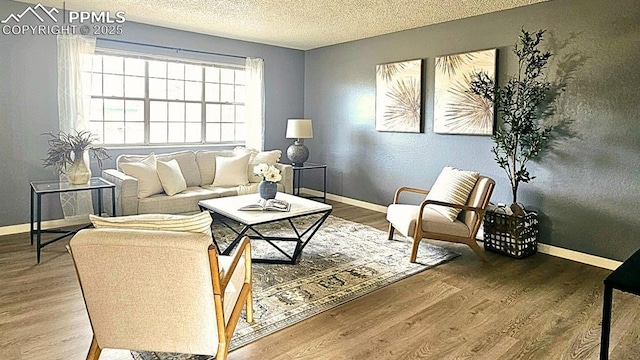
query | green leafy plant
[522, 105]
[62, 145]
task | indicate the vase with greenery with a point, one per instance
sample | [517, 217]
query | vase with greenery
[66, 154]
[522, 105]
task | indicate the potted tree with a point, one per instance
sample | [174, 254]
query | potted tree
[522, 105]
[66, 154]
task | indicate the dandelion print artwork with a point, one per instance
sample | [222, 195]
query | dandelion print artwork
[456, 109]
[398, 96]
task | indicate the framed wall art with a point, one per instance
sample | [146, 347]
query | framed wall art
[456, 109]
[399, 96]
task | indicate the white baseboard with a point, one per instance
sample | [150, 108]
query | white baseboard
[49, 224]
[579, 257]
[543, 248]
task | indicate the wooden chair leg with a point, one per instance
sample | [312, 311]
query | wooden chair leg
[478, 250]
[223, 350]
[249, 307]
[414, 249]
[391, 231]
[94, 350]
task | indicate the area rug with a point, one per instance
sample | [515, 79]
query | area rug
[343, 261]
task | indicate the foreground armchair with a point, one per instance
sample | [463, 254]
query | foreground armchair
[162, 291]
[442, 220]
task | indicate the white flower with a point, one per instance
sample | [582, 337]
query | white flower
[272, 176]
[268, 173]
[260, 169]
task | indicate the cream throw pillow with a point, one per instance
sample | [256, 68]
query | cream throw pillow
[171, 177]
[199, 223]
[452, 186]
[231, 171]
[270, 157]
[145, 171]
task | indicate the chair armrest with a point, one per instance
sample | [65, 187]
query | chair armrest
[286, 171]
[126, 192]
[408, 189]
[243, 249]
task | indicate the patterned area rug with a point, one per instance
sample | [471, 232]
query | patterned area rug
[344, 260]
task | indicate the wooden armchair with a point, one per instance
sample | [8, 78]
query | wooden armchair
[422, 222]
[161, 291]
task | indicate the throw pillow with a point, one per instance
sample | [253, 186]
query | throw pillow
[171, 177]
[452, 186]
[231, 171]
[199, 223]
[145, 171]
[258, 157]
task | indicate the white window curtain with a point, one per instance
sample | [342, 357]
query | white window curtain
[254, 103]
[74, 55]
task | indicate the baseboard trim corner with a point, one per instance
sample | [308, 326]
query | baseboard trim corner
[346, 200]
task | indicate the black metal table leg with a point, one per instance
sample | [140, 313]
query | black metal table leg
[606, 322]
[39, 228]
[99, 202]
[31, 211]
[113, 202]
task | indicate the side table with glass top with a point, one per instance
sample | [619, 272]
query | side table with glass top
[39, 188]
[297, 179]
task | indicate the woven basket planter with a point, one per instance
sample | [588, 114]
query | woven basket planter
[511, 235]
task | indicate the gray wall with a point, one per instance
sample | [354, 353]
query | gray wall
[28, 101]
[588, 188]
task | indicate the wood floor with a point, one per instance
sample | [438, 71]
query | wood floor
[541, 307]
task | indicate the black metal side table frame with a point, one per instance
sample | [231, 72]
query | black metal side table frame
[39, 188]
[301, 238]
[297, 179]
[624, 278]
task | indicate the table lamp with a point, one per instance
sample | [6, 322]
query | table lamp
[298, 129]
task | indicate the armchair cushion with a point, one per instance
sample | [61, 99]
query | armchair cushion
[452, 186]
[199, 223]
[403, 217]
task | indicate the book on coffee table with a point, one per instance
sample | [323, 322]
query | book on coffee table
[267, 205]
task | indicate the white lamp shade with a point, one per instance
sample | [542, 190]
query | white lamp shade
[299, 129]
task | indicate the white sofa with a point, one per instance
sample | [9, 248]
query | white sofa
[199, 171]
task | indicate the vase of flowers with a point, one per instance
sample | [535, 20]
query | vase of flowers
[67, 154]
[270, 175]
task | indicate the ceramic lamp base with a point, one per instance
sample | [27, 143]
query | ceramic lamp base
[298, 153]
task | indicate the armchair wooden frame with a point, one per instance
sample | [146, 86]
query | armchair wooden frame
[225, 330]
[420, 234]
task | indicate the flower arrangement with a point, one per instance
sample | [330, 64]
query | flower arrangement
[267, 172]
[62, 145]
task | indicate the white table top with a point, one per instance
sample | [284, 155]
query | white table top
[228, 206]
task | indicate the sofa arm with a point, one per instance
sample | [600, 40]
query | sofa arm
[287, 177]
[126, 192]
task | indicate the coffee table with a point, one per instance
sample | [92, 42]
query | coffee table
[225, 210]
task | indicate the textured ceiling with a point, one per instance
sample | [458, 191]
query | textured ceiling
[302, 24]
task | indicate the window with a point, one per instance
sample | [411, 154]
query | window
[140, 100]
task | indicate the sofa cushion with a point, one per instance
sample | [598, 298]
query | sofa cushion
[198, 223]
[231, 171]
[186, 159]
[258, 157]
[145, 171]
[171, 177]
[206, 160]
[452, 186]
[184, 202]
